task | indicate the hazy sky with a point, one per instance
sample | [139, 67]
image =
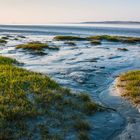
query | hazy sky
[49, 11]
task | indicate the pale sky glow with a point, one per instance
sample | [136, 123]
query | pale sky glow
[50, 11]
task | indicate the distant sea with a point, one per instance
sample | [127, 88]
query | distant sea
[73, 29]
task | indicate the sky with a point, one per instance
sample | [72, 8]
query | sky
[63, 11]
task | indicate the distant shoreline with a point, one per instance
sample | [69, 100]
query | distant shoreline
[112, 22]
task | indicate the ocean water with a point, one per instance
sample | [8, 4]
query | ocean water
[73, 29]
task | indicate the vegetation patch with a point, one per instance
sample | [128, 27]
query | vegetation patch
[104, 37]
[5, 38]
[70, 43]
[129, 82]
[36, 47]
[2, 41]
[21, 36]
[122, 49]
[129, 40]
[95, 42]
[7, 61]
[15, 39]
[33, 46]
[32, 106]
[97, 39]
[69, 38]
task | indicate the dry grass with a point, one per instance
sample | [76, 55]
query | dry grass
[130, 82]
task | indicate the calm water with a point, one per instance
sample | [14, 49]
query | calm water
[73, 29]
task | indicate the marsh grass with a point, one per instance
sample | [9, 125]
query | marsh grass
[2, 41]
[81, 125]
[32, 106]
[36, 47]
[7, 61]
[104, 37]
[122, 39]
[21, 36]
[69, 38]
[5, 38]
[70, 43]
[122, 49]
[83, 136]
[32, 46]
[96, 40]
[130, 82]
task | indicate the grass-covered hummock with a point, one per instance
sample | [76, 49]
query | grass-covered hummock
[69, 38]
[122, 39]
[104, 37]
[36, 47]
[21, 36]
[70, 43]
[99, 38]
[95, 42]
[33, 46]
[32, 106]
[122, 49]
[5, 38]
[2, 41]
[129, 83]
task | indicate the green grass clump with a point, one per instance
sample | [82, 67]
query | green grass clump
[83, 136]
[81, 125]
[21, 36]
[4, 38]
[36, 47]
[7, 61]
[15, 39]
[95, 42]
[2, 41]
[33, 46]
[122, 39]
[69, 38]
[122, 49]
[70, 43]
[32, 106]
[130, 82]
[105, 37]
[131, 40]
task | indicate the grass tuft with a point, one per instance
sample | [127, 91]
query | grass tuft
[33, 46]
[70, 43]
[69, 38]
[36, 47]
[122, 49]
[81, 125]
[2, 41]
[95, 42]
[5, 38]
[7, 61]
[122, 39]
[130, 82]
[83, 136]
